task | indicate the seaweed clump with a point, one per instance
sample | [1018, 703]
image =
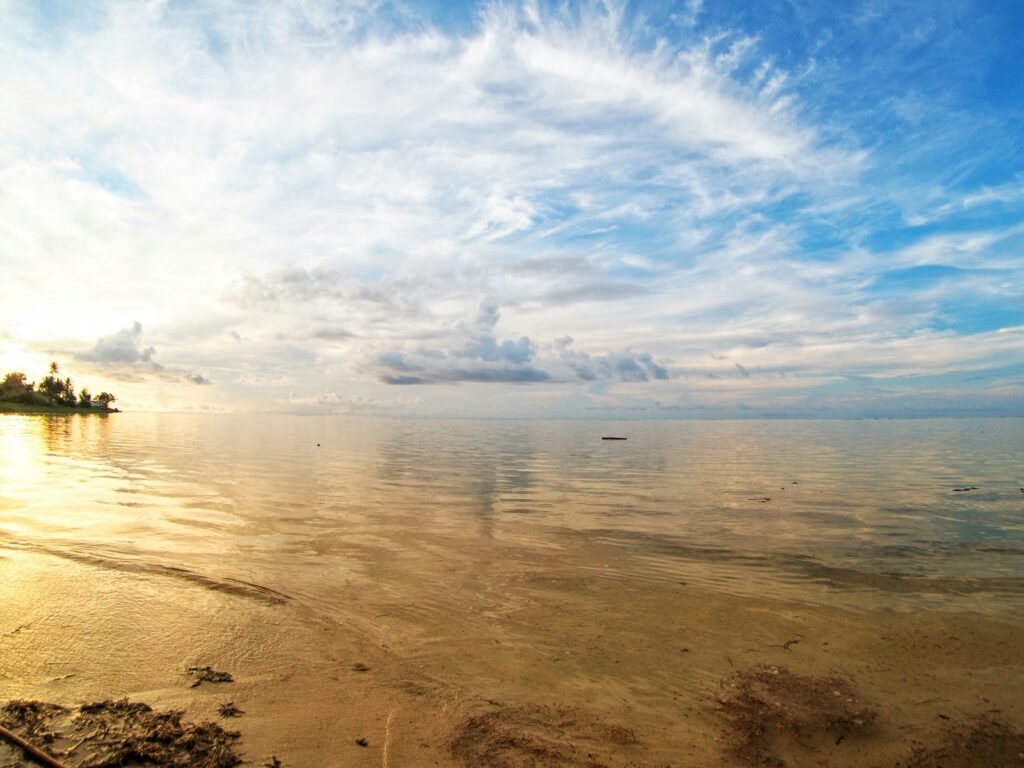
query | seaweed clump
[208, 675]
[32, 718]
[987, 741]
[537, 735]
[112, 734]
[122, 732]
[768, 704]
[228, 709]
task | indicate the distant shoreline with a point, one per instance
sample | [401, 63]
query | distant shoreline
[65, 409]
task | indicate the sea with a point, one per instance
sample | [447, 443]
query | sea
[460, 592]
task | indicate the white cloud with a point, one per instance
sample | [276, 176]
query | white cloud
[123, 348]
[316, 192]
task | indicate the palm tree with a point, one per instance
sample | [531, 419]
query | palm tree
[67, 392]
[104, 399]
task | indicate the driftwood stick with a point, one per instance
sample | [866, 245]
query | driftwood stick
[34, 752]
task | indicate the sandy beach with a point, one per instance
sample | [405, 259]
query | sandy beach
[552, 663]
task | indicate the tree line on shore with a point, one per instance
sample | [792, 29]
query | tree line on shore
[51, 391]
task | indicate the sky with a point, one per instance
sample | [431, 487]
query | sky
[717, 209]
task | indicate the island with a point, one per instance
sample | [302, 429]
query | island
[51, 395]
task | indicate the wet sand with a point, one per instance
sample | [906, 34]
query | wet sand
[553, 662]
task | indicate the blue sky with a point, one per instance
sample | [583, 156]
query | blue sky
[688, 209]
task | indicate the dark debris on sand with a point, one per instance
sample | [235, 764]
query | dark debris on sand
[228, 709]
[530, 736]
[208, 675]
[768, 703]
[986, 741]
[31, 719]
[112, 734]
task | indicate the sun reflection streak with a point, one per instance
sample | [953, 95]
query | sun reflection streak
[22, 452]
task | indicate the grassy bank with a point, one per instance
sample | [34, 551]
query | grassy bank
[23, 408]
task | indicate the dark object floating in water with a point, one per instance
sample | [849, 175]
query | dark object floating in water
[209, 675]
[360, 667]
[362, 742]
[615, 438]
[761, 499]
[967, 488]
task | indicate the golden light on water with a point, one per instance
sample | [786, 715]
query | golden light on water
[529, 563]
[22, 450]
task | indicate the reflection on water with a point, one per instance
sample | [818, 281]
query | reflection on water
[867, 505]
[487, 557]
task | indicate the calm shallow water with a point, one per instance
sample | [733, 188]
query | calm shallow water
[850, 501]
[478, 554]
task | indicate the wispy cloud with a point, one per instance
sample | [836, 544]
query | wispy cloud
[318, 195]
